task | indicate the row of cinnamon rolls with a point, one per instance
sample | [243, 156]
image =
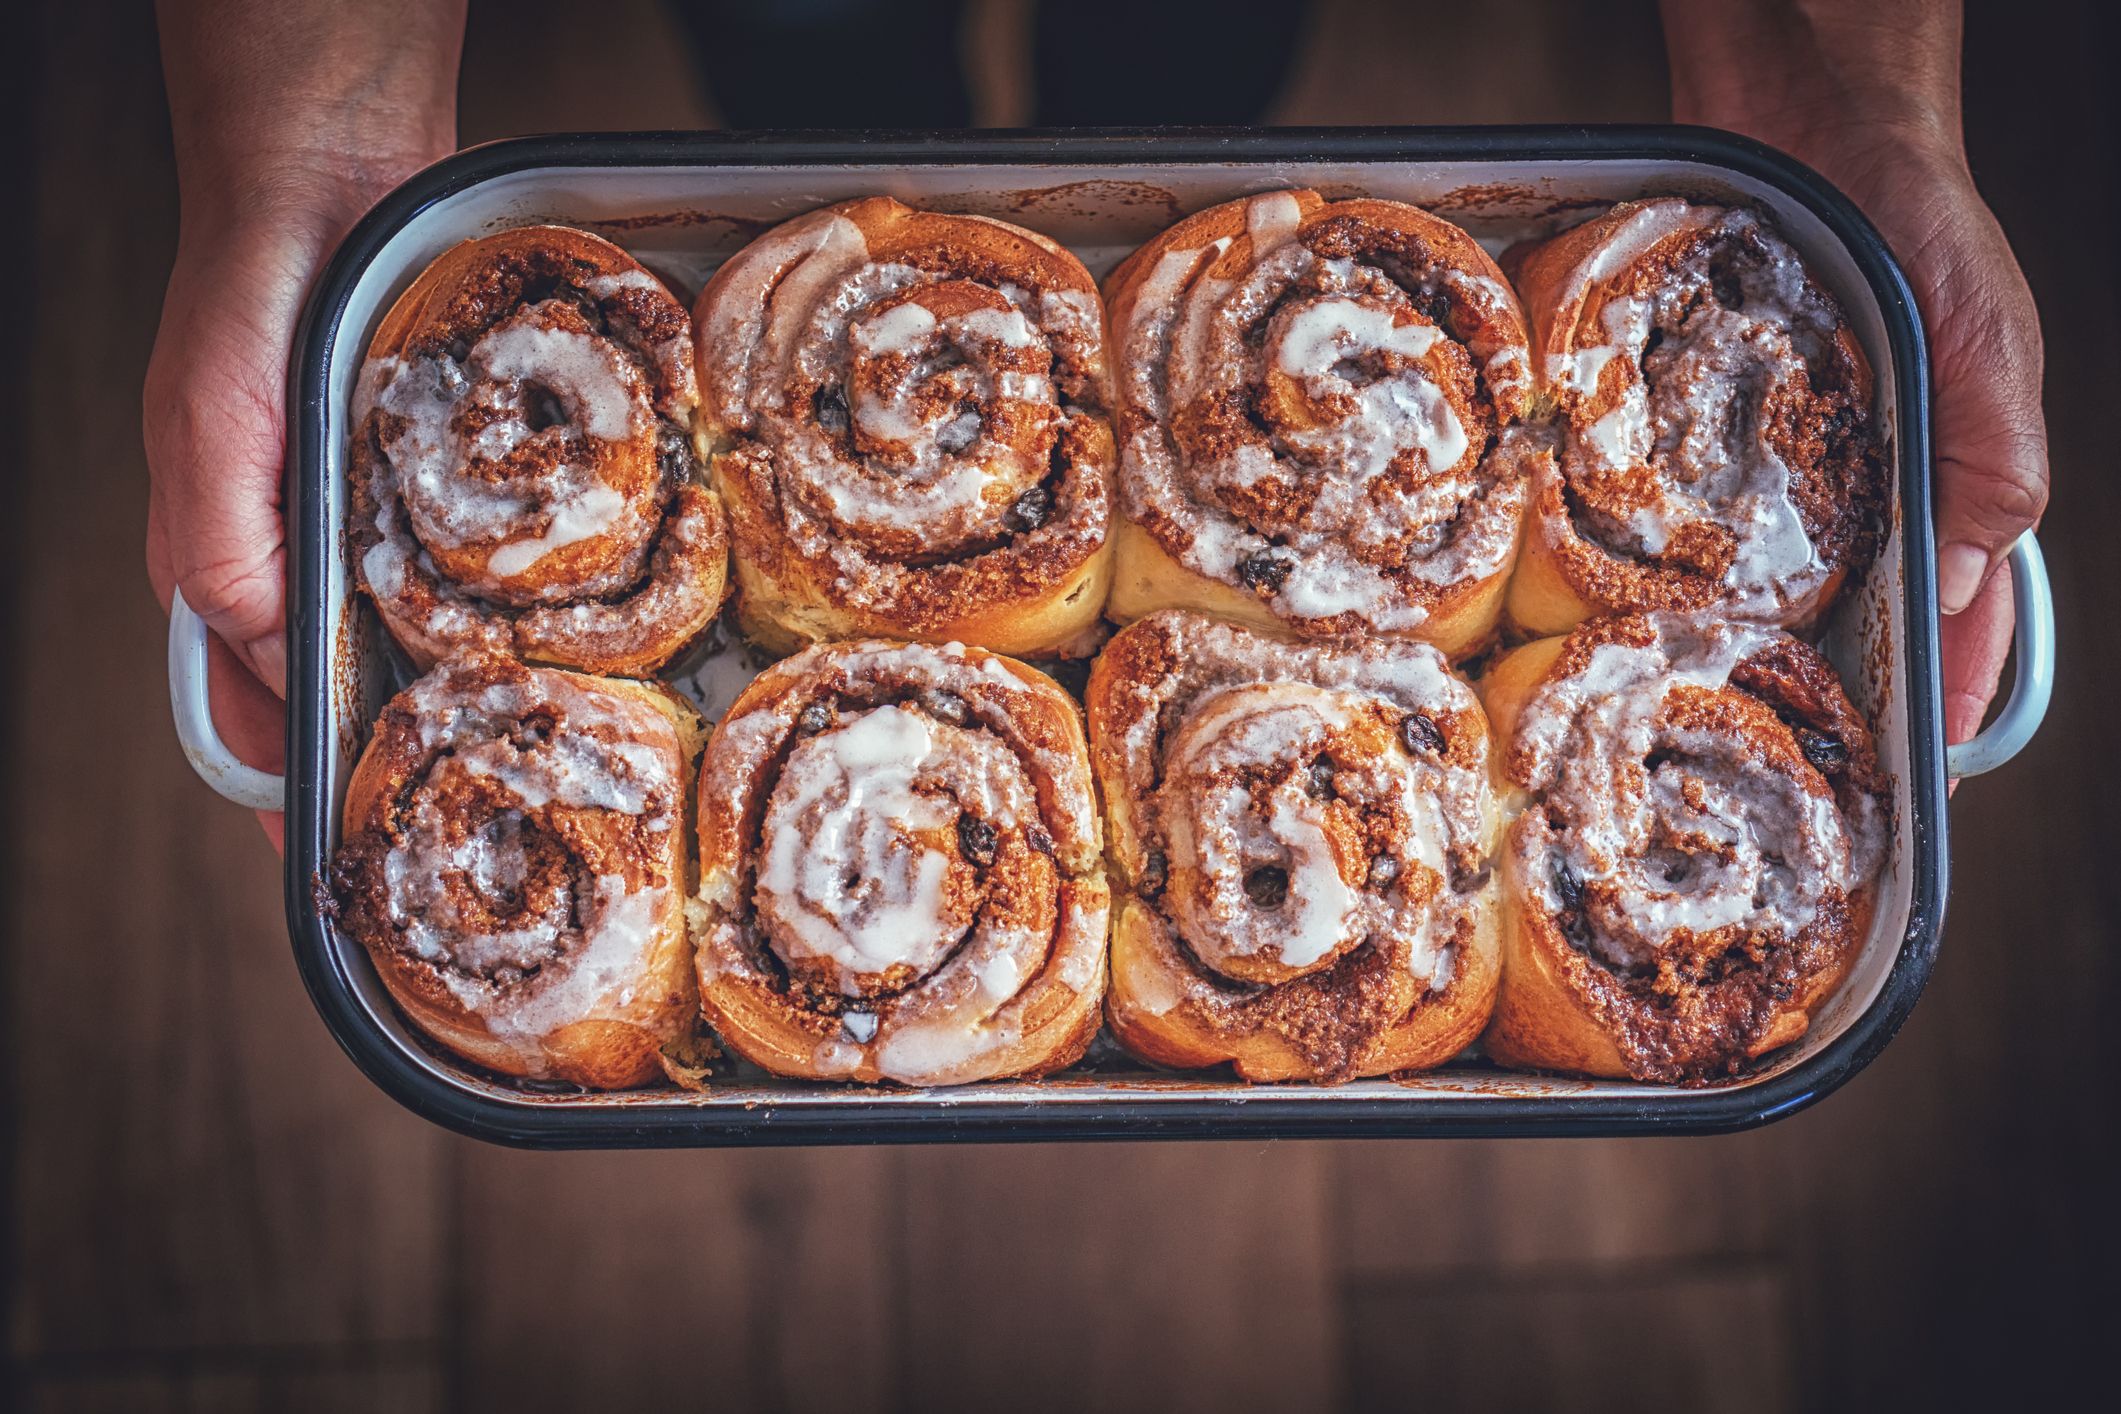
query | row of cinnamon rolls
[1647, 848]
[1332, 418]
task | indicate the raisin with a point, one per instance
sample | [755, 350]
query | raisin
[1156, 873]
[944, 706]
[1267, 886]
[976, 840]
[673, 456]
[815, 718]
[1384, 871]
[1032, 509]
[829, 404]
[1420, 733]
[1320, 782]
[1569, 886]
[1827, 753]
[1039, 840]
[1265, 571]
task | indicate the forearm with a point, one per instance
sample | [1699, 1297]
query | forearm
[1801, 74]
[306, 104]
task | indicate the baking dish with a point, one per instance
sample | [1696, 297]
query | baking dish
[683, 201]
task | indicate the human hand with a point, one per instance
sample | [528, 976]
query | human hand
[290, 118]
[1868, 94]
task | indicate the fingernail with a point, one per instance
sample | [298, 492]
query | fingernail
[1960, 569]
[268, 658]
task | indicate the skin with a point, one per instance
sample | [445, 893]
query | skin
[292, 117]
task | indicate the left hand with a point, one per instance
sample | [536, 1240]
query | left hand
[1867, 92]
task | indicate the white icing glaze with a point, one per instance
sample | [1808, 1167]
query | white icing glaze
[1220, 755]
[1686, 412]
[1765, 847]
[954, 415]
[1385, 495]
[861, 863]
[581, 957]
[844, 867]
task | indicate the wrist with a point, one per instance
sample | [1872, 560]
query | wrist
[1815, 77]
[313, 189]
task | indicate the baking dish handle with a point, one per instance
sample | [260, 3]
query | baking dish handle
[191, 702]
[2034, 683]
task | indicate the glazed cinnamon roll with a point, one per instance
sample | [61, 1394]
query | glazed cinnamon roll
[899, 869]
[1311, 404]
[1717, 449]
[905, 415]
[1691, 874]
[523, 477]
[514, 860]
[1300, 837]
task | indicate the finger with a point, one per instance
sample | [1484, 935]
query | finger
[251, 721]
[1976, 644]
[252, 725]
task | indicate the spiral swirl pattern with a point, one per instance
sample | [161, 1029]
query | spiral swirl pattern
[1310, 396]
[1705, 810]
[906, 408]
[1303, 833]
[523, 474]
[1717, 446]
[514, 862]
[900, 876]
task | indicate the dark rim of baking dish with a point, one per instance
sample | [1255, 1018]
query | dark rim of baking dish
[1233, 1112]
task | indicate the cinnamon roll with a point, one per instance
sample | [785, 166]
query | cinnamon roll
[899, 869]
[1702, 818]
[1717, 450]
[514, 860]
[1311, 406]
[523, 476]
[1300, 837]
[904, 412]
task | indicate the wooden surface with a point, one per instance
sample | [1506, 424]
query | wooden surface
[211, 1210]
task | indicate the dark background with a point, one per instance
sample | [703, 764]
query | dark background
[208, 1208]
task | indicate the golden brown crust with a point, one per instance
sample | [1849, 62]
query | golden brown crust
[869, 359]
[1677, 347]
[517, 923]
[1312, 399]
[1698, 821]
[1287, 905]
[900, 869]
[522, 473]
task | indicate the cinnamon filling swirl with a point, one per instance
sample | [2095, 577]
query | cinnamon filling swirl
[523, 476]
[1719, 448]
[1705, 805]
[1310, 408]
[905, 408]
[900, 875]
[1308, 827]
[520, 856]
